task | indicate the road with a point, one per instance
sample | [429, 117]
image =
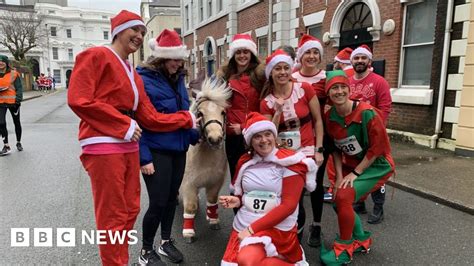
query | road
[45, 186]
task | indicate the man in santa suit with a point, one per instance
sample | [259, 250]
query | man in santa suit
[109, 97]
[369, 87]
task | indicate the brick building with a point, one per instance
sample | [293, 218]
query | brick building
[419, 46]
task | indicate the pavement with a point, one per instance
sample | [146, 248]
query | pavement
[435, 174]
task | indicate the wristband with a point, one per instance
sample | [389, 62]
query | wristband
[250, 230]
[355, 173]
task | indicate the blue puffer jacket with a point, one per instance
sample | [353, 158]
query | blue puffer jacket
[167, 100]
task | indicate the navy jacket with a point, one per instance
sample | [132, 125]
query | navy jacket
[167, 99]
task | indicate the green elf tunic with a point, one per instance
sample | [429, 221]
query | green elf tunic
[362, 133]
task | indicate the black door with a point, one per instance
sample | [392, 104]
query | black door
[354, 27]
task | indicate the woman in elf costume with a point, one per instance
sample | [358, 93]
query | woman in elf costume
[362, 160]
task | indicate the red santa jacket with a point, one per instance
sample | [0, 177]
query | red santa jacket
[102, 88]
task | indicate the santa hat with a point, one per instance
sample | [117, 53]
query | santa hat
[277, 57]
[168, 45]
[242, 41]
[344, 56]
[363, 49]
[308, 42]
[334, 77]
[255, 123]
[124, 20]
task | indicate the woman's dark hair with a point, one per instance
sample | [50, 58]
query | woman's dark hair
[289, 50]
[158, 64]
[267, 88]
[230, 70]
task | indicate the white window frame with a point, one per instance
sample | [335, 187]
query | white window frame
[55, 31]
[57, 79]
[55, 50]
[209, 8]
[265, 46]
[186, 18]
[70, 53]
[410, 94]
[316, 26]
[69, 33]
[200, 10]
[105, 32]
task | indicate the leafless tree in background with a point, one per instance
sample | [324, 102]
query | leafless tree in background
[20, 32]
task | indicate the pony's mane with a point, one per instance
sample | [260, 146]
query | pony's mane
[213, 90]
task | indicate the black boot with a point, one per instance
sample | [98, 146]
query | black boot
[314, 239]
[359, 207]
[377, 216]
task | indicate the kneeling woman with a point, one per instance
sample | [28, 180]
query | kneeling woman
[267, 187]
[362, 160]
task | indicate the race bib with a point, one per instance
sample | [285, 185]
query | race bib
[349, 145]
[291, 138]
[260, 201]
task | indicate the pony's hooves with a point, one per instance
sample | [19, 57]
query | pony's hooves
[215, 226]
[189, 240]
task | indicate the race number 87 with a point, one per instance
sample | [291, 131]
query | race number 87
[259, 204]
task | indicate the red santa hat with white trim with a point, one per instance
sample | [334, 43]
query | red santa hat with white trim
[344, 56]
[307, 42]
[124, 20]
[168, 45]
[277, 57]
[242, 41]
[363, 49]
[255, 123]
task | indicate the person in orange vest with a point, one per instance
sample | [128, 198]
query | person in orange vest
[11, 94]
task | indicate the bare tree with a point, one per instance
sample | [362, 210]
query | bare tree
[20, 32]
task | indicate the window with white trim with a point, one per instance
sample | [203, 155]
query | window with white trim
[315, 31]
[262, 45]
[219, 6]
[201, 10]
[57, 75]
[53, 31]
[68, 33]
[55, 53]
[209, 8]
[186, 17]
[70, 54]
[418, 43]
[222, 55]
[106, 34]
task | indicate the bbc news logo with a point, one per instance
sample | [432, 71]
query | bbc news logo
[66, 237]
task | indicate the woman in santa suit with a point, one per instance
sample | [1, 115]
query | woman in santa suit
[109, 97]
[309, 54]
[362, 160]
[267, 187]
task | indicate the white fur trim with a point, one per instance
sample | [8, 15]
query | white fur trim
[242, 44]
[126, 25]
[311, 174]
[208, 204]
[309, 45]
[269, 247]
[174, 52]
[275, 60]
[361, 50]
[225, 263]
[131, 130]
[188, 216]
[258, 127]
[193, 117]
[342, 60]
[101, 139]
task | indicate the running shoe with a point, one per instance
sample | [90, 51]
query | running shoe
[19, 147]
[150, 258]
[6, 150]
[169, 250]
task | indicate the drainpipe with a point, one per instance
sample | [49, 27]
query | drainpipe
[270, 26]
[444, 71]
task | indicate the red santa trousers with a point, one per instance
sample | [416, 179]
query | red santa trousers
[115, 181]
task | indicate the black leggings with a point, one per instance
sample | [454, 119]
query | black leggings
[162, 187]
[234, 148]
[15, 112]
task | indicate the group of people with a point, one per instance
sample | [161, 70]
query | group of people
[284, 120]
[45, 83]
